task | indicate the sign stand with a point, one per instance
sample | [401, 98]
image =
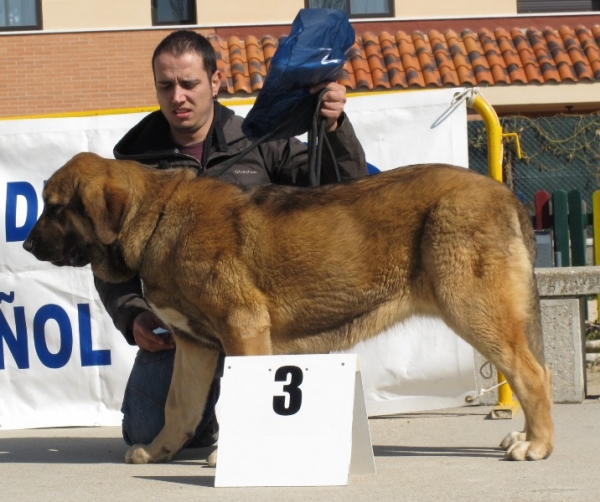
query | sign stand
[298, 420]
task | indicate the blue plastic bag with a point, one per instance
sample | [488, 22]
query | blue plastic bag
[314, 52]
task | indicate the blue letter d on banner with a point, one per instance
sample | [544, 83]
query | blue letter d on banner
[13, 190]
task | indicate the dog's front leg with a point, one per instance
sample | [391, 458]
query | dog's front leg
[247, 331]
[193, 374]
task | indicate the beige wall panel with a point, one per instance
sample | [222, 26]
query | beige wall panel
[94, 14]
[456, 8]
[566, 97]
[232, 12]
[99, 14]
[242, 12]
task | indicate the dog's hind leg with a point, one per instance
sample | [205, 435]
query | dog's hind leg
[504, 343]
[516, 442]
[524, 364]
[193, 374]
[503, 325]
[479, 259]
[531, 383]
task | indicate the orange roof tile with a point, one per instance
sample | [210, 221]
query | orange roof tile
[433, 58]
[590, 49]
[460, 58]
[425, 56]
[391, 60]
[575, 52]
[559, 53]
[531, 65]
[443, 59]
[409, 59]
[477, 56]
[493, 53]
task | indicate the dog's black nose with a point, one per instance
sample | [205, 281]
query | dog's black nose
[28, 245]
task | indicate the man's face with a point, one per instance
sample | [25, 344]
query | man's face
[185, 95]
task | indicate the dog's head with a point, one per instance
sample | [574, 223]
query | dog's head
[85, 203]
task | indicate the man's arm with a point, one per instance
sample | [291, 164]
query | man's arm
[287, 160]
[132, 316]
[123, 302]
[348, 152]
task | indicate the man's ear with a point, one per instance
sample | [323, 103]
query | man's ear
[215, 83]
[105, 204]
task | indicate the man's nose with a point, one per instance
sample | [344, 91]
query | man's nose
[178, 94]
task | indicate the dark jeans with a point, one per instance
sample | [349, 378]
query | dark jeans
[146, 394]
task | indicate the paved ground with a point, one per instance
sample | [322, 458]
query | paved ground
[449, 455]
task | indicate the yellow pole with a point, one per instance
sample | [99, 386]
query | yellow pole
[507, 406]
[494, 136]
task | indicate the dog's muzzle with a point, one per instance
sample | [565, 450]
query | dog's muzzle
[28, 245]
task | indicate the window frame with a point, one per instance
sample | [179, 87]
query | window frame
[27, 27]
[556, 6]
[361, 16]
[192, 12]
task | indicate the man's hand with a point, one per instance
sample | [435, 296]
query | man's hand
[144, 325]
[332, 103]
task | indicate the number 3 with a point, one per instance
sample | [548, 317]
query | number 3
[292, 389]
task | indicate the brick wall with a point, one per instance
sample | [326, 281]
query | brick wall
[76, 72]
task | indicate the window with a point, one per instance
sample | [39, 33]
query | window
[356, 8]
[546, 6]
[173, 12]
[20, 15]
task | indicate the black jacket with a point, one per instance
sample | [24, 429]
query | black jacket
[283, 162]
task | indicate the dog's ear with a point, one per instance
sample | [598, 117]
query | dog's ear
[106, 204]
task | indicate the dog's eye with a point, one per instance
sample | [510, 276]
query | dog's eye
[52, 209]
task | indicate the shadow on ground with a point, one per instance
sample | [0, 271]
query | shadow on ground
[70, 450]
[425, 451]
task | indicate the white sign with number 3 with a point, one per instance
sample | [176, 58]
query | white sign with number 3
[292, 421]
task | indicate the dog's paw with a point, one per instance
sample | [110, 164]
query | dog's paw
[528, 450]
[518, 448]
[212, 458]
[137, 454]
[511, 439]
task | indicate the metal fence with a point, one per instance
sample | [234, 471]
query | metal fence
[561, 152]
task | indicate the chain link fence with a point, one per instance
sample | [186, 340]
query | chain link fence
[560, 152]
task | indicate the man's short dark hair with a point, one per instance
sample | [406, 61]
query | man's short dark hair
[184, 41]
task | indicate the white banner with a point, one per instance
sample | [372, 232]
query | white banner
[62, 363]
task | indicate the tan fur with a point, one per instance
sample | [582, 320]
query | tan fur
[278, 270]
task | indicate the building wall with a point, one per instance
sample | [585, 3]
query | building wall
[244, 12]
[100, 14]
[74, 72]
[84, 60]
[231, 12]
[72, 65]
[94, 14]
[457, 8]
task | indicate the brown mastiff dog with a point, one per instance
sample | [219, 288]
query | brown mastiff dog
[280, 270]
